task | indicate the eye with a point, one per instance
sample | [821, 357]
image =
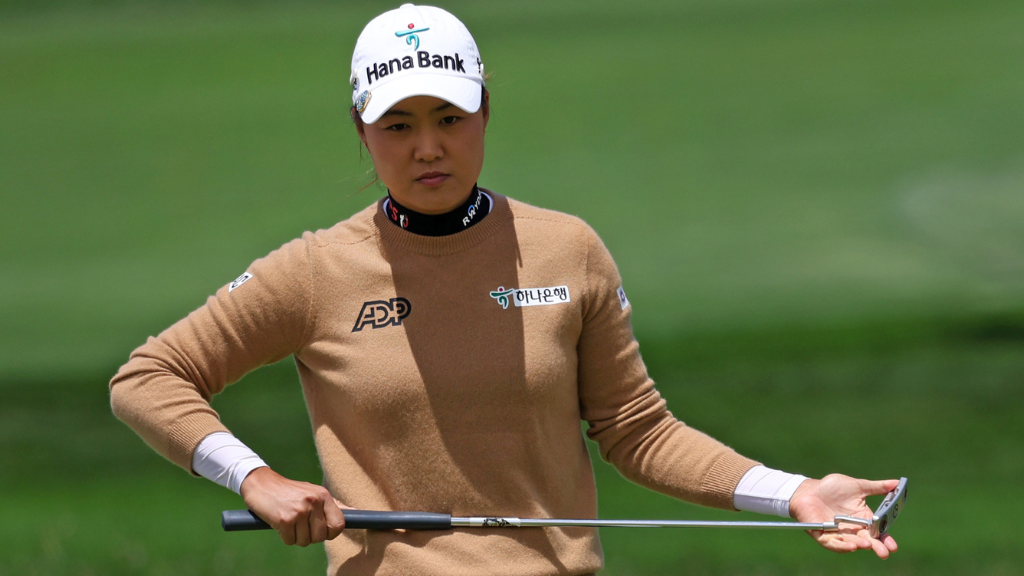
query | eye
[449, 120]
[397, 127]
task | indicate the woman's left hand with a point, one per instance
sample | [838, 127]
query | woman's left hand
[835, 494]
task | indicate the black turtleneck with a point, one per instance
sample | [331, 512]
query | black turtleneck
[473, 210]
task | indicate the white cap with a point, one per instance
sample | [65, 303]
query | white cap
[415, 51]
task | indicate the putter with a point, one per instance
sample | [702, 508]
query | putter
[878, 524]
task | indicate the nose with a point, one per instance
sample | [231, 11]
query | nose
[429, 147]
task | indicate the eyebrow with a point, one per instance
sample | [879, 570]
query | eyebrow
[395, 112]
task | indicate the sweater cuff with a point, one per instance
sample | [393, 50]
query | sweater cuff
[186, 434]
[721, 480]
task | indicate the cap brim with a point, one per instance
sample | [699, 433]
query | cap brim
[462, 92]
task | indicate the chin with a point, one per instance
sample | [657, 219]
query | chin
[438, 200]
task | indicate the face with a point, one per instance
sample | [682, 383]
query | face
[428, 152]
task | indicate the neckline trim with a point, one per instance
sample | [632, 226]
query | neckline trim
[471, 212]
[391, 235]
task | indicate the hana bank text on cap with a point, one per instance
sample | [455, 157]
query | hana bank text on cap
[415, 51]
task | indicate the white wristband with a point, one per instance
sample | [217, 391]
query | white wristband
[766, 491]
[224, 459]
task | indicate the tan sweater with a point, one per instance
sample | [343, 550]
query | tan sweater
[431, 388]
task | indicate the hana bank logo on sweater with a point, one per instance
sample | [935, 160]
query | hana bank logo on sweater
[381, 313]
[531, 296]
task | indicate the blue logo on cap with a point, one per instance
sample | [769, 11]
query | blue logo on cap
[410, 35]
[361, 101]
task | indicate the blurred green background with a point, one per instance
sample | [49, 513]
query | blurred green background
[817, 208]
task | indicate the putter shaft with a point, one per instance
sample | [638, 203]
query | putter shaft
[513, 522]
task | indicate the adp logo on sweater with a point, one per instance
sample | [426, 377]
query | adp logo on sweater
[382, 313]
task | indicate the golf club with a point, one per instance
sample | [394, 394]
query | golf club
[879, 523]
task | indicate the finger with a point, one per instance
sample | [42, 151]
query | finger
[879, 548]
[890, 543]
[837, 544]
[831, 541]
[856, 542]
[302, 529]
[317, 523]
[866, 542]
[334, 519]
[342, 506]
[287, 533]
[877, 487]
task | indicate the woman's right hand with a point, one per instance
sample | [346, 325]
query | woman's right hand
[302, 513]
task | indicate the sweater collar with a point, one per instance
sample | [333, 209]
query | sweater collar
[468, 214]
[394, 236]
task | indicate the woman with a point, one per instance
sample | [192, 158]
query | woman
[449, 340]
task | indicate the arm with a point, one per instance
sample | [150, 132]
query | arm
[628, 417]
[641, 438]
[164, 391]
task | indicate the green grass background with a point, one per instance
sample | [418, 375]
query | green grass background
[817, 208]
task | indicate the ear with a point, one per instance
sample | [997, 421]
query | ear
[361, 130]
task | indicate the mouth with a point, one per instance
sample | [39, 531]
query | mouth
[432, 179]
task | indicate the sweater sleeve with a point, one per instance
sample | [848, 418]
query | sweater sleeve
[164, 391]
[628, 418]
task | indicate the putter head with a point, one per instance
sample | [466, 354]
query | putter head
[889, 509]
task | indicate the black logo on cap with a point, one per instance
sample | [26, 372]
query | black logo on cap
[423, 59]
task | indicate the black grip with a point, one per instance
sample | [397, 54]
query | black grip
[374, 520]
[237, 520]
